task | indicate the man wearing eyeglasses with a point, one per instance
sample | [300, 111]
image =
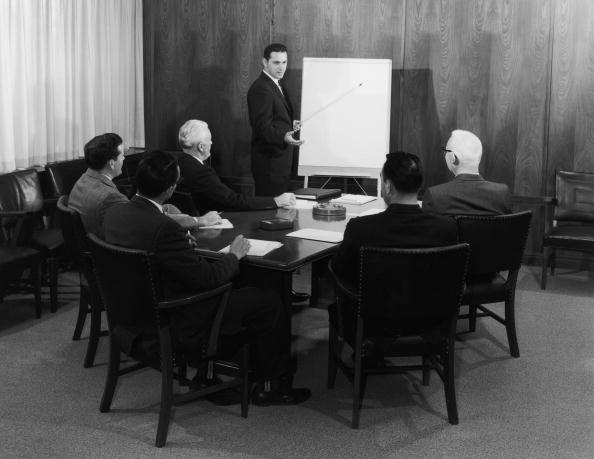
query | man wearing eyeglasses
[468, 193]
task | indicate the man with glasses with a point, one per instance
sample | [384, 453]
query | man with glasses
[140, 224]
[468, 193]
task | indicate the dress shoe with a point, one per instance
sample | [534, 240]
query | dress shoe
[281, 395]
[298, 297]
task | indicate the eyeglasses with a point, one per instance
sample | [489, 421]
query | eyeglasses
[444, 150]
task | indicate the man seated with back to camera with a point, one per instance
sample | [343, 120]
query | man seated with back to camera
[94, 192]
[468, 193]
[140, 224]
[402, 225]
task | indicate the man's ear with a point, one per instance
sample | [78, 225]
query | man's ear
[387, 187]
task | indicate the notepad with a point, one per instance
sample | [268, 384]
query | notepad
[223, 224]
[316, 193]
[317, 235]
[357, 199]
[258, 247]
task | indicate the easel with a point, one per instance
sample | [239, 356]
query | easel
[345, 181]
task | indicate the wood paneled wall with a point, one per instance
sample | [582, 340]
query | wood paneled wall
[519, 73]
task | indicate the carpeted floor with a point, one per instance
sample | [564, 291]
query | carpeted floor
[540, 405]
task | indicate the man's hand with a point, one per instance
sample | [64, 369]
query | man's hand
[296, 125]
[185, 221]
[285, 200]
[239, 247]
[291, 141]
[209, 219]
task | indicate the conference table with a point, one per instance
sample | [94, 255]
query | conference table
[274, 270]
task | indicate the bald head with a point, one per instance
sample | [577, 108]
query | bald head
[195, 138]
[466, 152]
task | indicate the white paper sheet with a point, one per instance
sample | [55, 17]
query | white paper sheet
[258, 247]
[317, 235]
[357, 199]
[224, 224]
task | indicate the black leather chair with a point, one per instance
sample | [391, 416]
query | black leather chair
[77, 248]
[62, 175]
[496, 245]
[20, 192]
[138, 320]
[571, 224]
[406, 304]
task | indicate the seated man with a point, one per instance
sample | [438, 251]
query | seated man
[403, 224]
[140, 224]
[208, 192]
[95, 192]
[468, 193]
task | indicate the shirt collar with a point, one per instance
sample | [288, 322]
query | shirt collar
[276, 80]
[157, 205]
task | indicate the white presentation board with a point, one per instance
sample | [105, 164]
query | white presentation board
[345, 111]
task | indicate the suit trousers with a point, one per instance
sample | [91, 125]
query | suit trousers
[261, 313]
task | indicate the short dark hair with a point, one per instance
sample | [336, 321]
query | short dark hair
[274, 48]
[157, 171]
[404, 171]
[100, 149]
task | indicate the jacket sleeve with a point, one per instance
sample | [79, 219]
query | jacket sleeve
[261, 112]
[182, 263]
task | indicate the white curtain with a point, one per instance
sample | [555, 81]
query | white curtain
[69, 70]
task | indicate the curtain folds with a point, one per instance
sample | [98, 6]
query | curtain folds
[69, 70]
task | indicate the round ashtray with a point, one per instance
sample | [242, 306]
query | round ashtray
[328, 209]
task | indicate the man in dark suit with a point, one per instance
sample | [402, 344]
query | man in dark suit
[208, 191]
[141, 224]
[403, 224]
[271, 116]
[468, 193]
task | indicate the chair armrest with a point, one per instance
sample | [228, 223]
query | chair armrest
[182, 301]
[345, 288]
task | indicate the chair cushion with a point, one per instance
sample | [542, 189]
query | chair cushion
[486, 292]
[47, 239]
[23, 255]
[572, 237]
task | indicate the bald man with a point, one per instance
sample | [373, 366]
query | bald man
[468, 193]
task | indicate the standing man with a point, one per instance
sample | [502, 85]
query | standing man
[271, 117]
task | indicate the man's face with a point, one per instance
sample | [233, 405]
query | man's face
[276, 65]
[119, 161]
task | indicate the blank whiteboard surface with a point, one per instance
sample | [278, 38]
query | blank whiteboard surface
[345, 111]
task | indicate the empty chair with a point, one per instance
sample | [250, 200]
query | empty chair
[89, 299]
[572, 224]
[496, 245]
[138, 320]
[406, 304]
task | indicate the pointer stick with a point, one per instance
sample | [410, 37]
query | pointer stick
[321, 109]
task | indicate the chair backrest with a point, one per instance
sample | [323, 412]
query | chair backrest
[62, 175]
[497, 242]
[412, 286]
[73, 231]
[21, 191]
[574, 193]
[128, 284]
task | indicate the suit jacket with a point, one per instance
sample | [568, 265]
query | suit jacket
[271, 117]
[400, 225]
[209, 193]
[91, 196]
[140, 225]
[468, 194]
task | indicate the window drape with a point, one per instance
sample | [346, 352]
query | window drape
[69, 70]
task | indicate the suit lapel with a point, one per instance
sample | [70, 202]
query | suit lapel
[276, 90]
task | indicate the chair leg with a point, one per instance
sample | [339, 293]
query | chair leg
[332, 356]
[83, 310]
[113, 370]
[472, 317]
[166, 400]
[52, 266]
[510, 327]
[449, 385]
[546, 255]
[553, 261]
[358, 380]
[36, 280]
[426, 371]
[94, 334]
[245, 389]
